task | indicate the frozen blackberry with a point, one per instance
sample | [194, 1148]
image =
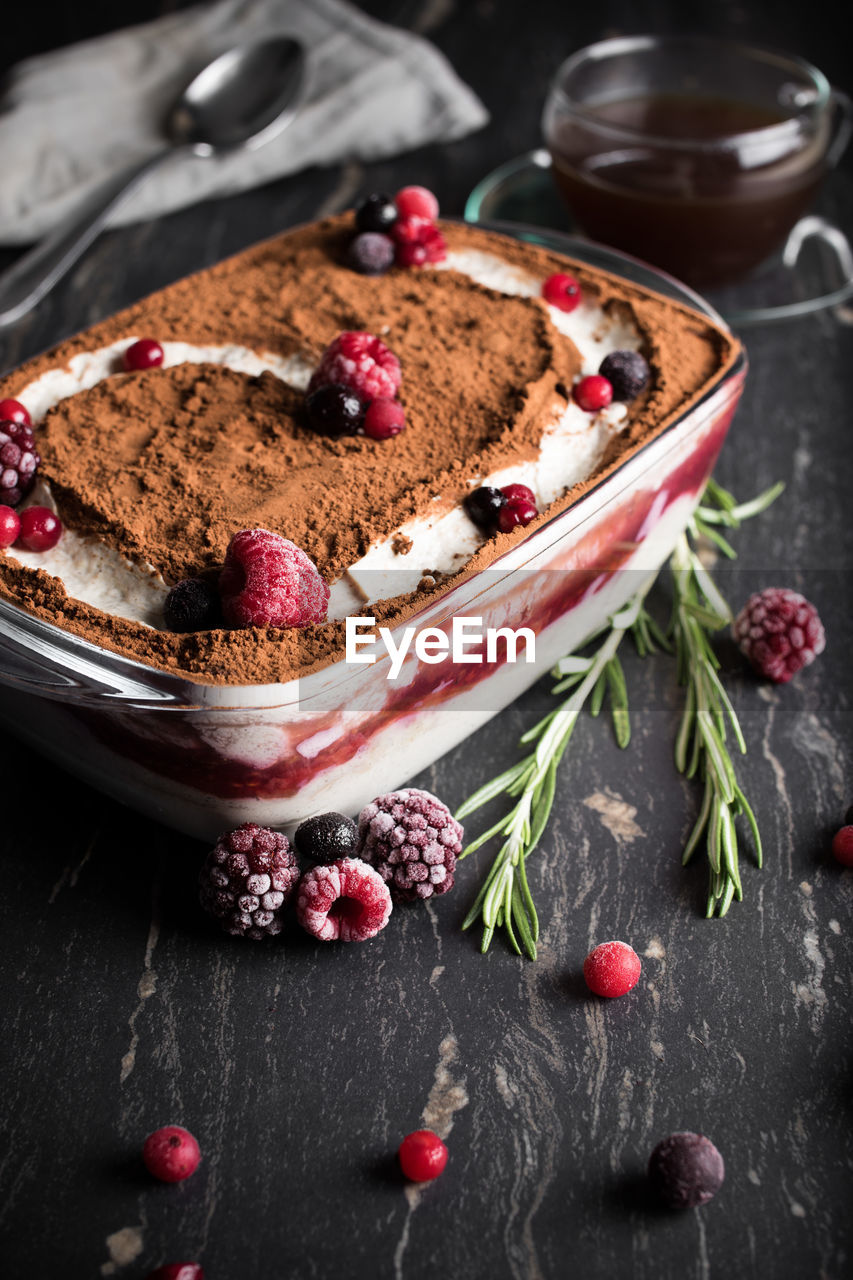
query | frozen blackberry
[246, 880]
[192, 605]
[686, 1170]
[627, 372]
[19, 461]
[377, 212]
[484, 506]
[326, 837]
[335, 410]
[371, 253]
[413, 841]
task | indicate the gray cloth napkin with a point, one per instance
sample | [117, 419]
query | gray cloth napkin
[74, 117]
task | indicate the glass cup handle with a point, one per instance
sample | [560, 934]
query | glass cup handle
[843, 124]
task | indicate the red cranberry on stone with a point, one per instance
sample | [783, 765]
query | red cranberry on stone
[40, 529]
[177, 1271]
[171, 1153]
[612, 969]
[422, 1155]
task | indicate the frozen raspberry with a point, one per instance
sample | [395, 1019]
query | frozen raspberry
[484, 505]
[362, 363]
[779, 632]
[592, 393]
[422, 1155]
[413, 841]
[371, 253]
[411, 230]
[518, 511]
[345, 901]
[19, 461]
[10, 526]
[561, 291]
[246, 880]
[177, 1271]
[612, 969]
[416, 202]
[435, 244]
[40, 530]
[377, 212]
[627, 372]
[335, 410]
[14, 411]
[268, 581]
[842, 846]
[326, 837]
[144, 354]
[171, 1153]
[192, 605]
[411, 255]
[686, 1170]
[384, 418]
[427, 245]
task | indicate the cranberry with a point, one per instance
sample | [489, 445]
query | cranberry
[171, 1153]
[842, 846]
[144, 354]
[177, 1271]
[416, 202]
[411, 255]
[14, 411]
[384, 418]
[422, 1155]
[10, 526]
[561, 291]
[518, 511]
[518, 492]
[612, 969]
[40, 529]
[592, 393]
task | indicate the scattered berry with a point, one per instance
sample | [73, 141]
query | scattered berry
[483, 506]
[19, 461]
[40, 529]
[14, 411]
[362, 363]
[10, 526]
[779, 632]
[411, 255]
[413, 841]
[171, 1153]
[346, 901]
[686, 1170]
[418, 242]
[627, 372]
[518, 493]
[410, 230]
[377, 212]
[267, 581]
[561, 291]
[192, 605]
[177, 1271]
[384, 418]
[518, 511]
[371, 253]
[416, 202]
[592, 393]
[612, 969]
[842, 846]
[326, 838]
[144, 354]
[246, 880]
[335, 410]
[422, 1155]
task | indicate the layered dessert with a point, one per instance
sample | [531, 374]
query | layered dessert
[153, 471]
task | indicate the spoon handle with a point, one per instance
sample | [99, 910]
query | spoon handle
[35, 274]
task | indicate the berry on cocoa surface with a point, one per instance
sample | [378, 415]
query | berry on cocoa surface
[192, 605]
[19, 460]
[627, 372]
[40, 529]
[592, 393]
[360, 361]
[371, 253]
[145, 353]
[267, 581]
[10, 526]
[561, 291]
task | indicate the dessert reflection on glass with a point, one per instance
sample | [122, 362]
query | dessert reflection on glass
[485, 429]
[694, 154]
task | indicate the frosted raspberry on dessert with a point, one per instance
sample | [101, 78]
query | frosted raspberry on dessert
[361, 362]
[267, 581]
[19, 460]
[345, 901]
[10, 526]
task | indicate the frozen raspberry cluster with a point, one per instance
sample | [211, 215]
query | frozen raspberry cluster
[413, 841]
[354, 389]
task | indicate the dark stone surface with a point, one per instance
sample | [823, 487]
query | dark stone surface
[299, 1066]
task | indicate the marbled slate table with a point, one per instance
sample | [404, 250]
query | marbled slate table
[300, 1067]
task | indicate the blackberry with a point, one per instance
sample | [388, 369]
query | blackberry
[484, 506]
[627, 372]
[326, 837]
[371, 253]
[377, 212]
[19, 461]
[334, 410]
[686, 1170]
[192, 605]
[247, 879]
[413, 841]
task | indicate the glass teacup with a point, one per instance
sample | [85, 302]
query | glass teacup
[694, 154]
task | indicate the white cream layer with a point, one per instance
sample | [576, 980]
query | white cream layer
[572, 444]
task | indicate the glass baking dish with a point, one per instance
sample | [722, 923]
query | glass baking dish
[202, 758]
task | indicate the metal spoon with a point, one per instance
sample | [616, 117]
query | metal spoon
[239, 100]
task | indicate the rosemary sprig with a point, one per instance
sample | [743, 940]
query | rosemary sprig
[505, 899]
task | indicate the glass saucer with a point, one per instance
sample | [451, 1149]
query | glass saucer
[814, 270]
